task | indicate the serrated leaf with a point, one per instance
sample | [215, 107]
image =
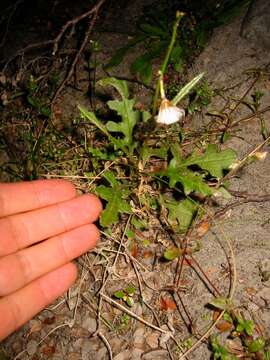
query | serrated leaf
[129, 118]
[213, 160]
[181, 212]
[220, 351]
[186, 89]
[190, 181]
[120, 85]
[139, 224]
[89, 115]
[119, 294]
[115, 197]
[222, 304]
[249, 327]
[172, 253]
[227, 317]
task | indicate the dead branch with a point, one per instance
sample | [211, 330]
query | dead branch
[92, 14]
[94, 11]
[251, 198]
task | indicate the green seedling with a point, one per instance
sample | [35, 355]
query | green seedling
[220, 352]
[126, 295]
[38, 103]
[244, 326]
[172, 253]
[115, 194]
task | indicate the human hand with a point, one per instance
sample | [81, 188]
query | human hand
[43, 226]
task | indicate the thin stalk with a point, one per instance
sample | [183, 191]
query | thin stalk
[164, 66]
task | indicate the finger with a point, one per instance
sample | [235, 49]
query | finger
[19, 269]
[22, 230]
[29, 195]
[25, 303]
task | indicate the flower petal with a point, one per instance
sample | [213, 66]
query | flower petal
[170, 115]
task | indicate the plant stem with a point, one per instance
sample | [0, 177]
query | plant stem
[164, 66]
[161, 86]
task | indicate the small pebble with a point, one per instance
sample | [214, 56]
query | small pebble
[31, 347]
[89, 324]
[124, 355]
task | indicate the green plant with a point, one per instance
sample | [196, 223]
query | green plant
[126, 295]
[158, 38]
[156, 30]
[33, 98]
[241, 328]
[125, 109]
[188, 175]
[220, 352]
[115, 195]
[185, 174]
[244, 326]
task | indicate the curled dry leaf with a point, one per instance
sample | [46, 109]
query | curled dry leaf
[203, 228]
[223, 325]
[134, 250]
[167, 303]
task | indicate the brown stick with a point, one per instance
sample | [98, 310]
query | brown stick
[94, 11]
[55, 42]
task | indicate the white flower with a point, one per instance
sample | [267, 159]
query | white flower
[169, 114]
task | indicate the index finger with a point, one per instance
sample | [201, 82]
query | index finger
[30, 195]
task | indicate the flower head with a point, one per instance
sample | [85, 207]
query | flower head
[169, 114]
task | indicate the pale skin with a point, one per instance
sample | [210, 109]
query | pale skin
[44, 225]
